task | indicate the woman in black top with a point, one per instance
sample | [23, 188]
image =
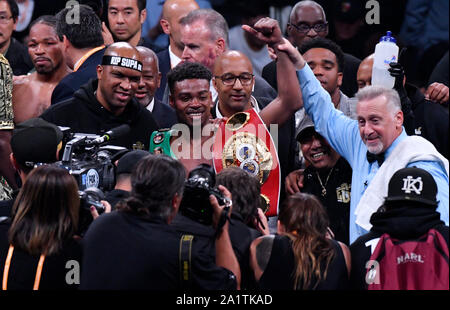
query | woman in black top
[38, 244]
[301, 256]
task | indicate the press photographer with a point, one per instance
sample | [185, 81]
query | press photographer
[195, 216]
[152, 260]
[90, 159]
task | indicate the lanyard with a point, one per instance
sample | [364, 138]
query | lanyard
[37, 278]
[86, 56]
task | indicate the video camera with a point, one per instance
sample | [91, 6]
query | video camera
[197, 188]
[89, 160]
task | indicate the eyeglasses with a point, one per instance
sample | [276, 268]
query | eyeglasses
[4, 19]
[229, 79]
[305, 28]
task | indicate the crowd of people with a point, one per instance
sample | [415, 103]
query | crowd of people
[327, 196]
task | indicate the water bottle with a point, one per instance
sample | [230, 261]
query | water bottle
[386, 51]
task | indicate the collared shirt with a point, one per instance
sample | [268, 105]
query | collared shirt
[174, 59]
[253, 102]
[151, 105]
[343, 135]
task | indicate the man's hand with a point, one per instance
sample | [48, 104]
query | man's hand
[94, 211]
[261, 223]
[106, 34]
[396, 70]
[217, 209]
[294, 181]
[267, 30]
[293, 53]
[437, 92]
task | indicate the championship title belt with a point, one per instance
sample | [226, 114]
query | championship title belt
[160, 142]
[244, 142]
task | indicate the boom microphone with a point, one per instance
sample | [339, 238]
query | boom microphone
[117, 132]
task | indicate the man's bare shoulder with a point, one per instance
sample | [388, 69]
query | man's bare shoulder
[21, 80]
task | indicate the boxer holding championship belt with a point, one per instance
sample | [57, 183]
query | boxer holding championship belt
[244, 142]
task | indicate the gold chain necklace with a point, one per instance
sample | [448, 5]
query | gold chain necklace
[324, 190]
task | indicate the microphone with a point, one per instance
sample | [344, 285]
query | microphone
[114, 133]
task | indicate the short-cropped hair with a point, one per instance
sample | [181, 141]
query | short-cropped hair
[187, 71]
[85, 34]
[374, 91]
[320, 42]
[48, 20]
[213, 20]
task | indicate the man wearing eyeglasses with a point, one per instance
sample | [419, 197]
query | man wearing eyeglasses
[234, 80]
[13, 50]
[308, 21]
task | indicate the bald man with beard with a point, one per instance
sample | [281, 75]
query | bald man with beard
[108, 101]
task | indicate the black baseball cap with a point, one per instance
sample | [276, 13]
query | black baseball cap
[128, 161]
[35, 141]
[412, 184]
[306, 129]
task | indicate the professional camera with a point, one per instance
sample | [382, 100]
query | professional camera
[199, 185]
[89, 160]
[91, 196]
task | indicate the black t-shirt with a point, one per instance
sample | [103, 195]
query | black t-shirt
[123, 251]
[84, 114]
[7, 205]
[116, 195]
[280, 270]
[56, 267]
[337, 198]
[241, 237]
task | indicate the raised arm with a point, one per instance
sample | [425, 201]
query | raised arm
[289, 98]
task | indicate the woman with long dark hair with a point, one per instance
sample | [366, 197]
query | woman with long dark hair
[302, 256]
[38, 244]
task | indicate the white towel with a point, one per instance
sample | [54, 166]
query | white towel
[411, 149]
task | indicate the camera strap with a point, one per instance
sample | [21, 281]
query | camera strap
[185, 260]
[37, 278]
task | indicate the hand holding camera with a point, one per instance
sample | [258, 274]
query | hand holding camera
[221, 213]
[106, 209]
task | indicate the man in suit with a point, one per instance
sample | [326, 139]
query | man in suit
[173, 11]
[125, 20]
[84, 49]
[237, 97]
[11, 48]
[150, 81]
[204, 34]
[308, 21]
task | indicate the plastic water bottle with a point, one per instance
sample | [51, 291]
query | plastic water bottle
[386, 51]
